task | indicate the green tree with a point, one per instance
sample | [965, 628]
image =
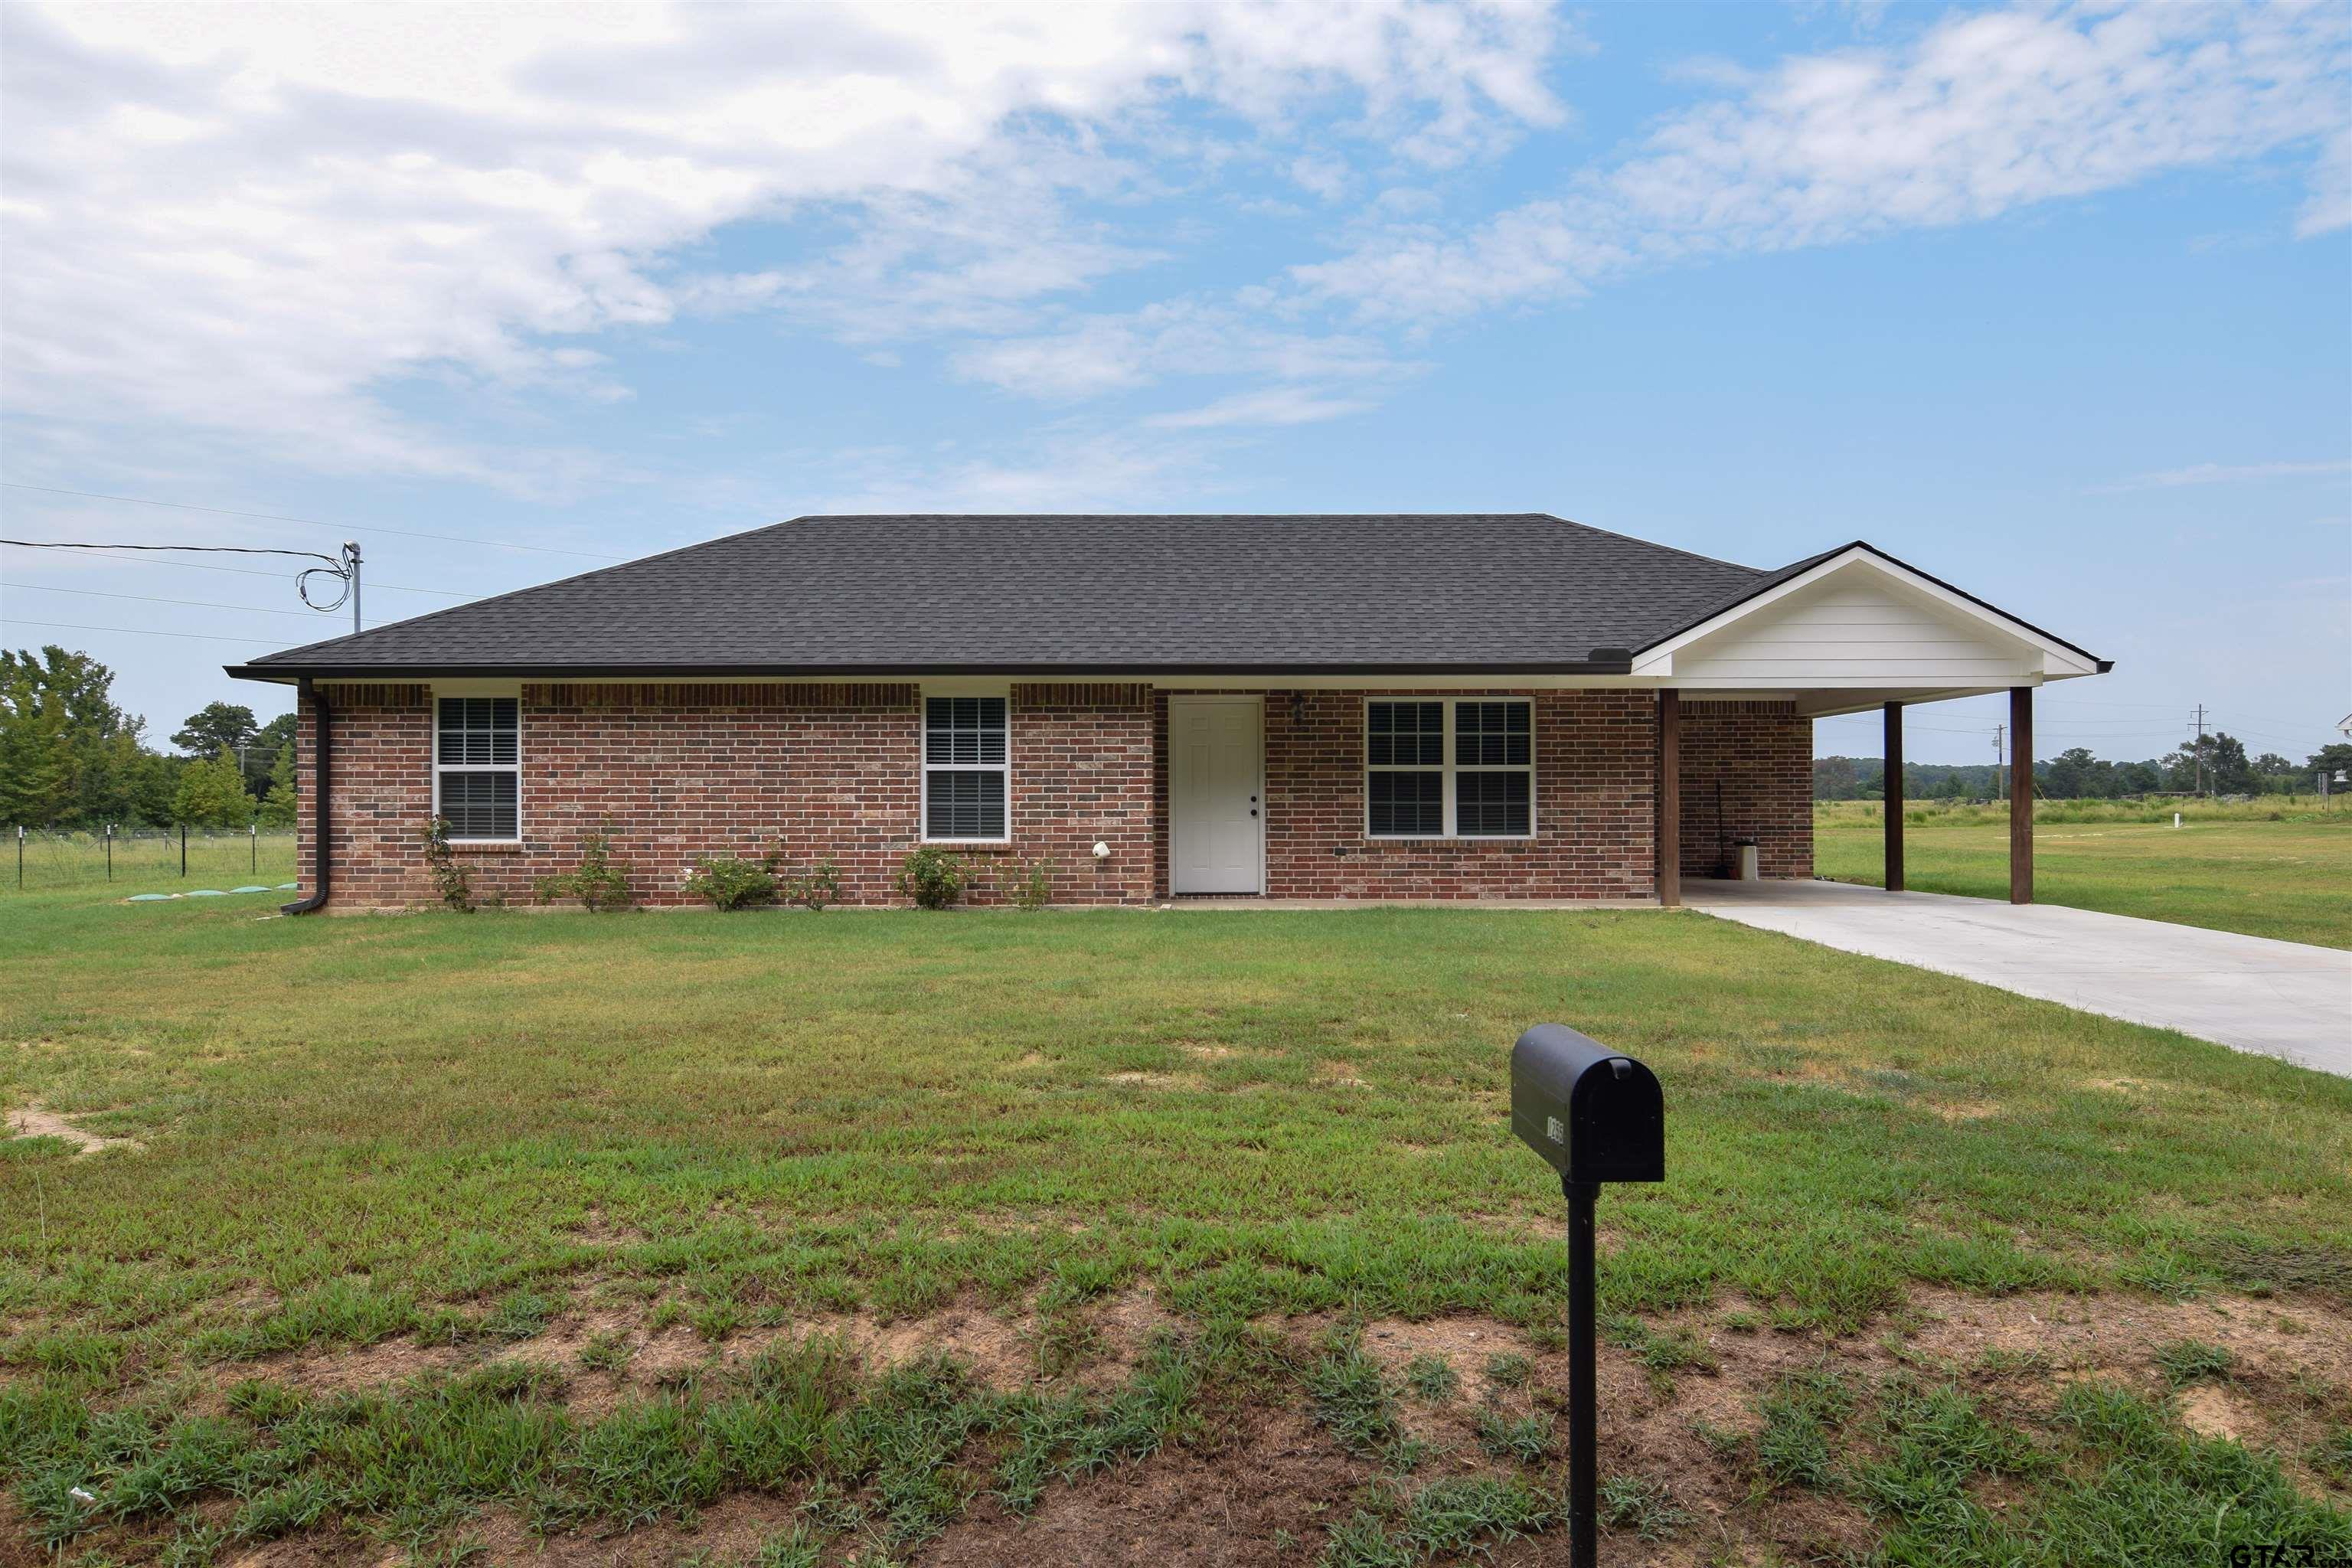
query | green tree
[2219, 759]
[36, 766]
[261, 756]
[68, 756]
[56, 717]
[279, 805]
[216, 727]
[2075, 775]
[212, 794]
[2330, 758]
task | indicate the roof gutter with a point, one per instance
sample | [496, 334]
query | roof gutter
[1603, 661]
[323, 719]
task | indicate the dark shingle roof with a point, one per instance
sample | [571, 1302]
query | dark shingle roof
[920, 594]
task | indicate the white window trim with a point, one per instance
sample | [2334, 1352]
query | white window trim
[514, 767]
[1448, 768]
[925, 767]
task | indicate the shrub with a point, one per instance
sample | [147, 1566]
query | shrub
[815, 889]
[596, 882]
[1027, 884]
[449, 876]
[933, 877]
[731, 884]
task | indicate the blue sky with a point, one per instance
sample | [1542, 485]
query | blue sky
[2053, 302]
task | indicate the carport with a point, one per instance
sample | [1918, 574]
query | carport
[1846, 632]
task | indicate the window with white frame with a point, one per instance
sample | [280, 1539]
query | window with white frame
[1461, 768]
[965, 764]
[476, 763]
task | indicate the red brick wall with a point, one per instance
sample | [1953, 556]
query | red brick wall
[686, 771]
[681, 772]
[1595, 809]
[1746, 773]
[1082, 774]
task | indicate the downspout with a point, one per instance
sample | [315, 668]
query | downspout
[319, 823]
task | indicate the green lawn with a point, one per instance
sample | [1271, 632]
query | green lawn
[2274, 871]
[595, 1188]
[148, 862]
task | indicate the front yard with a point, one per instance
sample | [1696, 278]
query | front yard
[1120, 1237]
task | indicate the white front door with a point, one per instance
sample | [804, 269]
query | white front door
[1216, 779]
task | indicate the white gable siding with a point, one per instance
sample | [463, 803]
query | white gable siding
[1855, 626]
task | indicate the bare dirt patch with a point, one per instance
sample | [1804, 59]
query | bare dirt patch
[999, 1348]
[1156, 1079]
[38, 1122]
[1259, 1491]
[1465, 1345]
[1124, 1326]
[2214, 1413]
[1261, 1484]
[2120, 1335]
[2139, 1088]
[351, 1369]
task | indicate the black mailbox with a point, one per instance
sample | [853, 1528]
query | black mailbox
[1597, 1115]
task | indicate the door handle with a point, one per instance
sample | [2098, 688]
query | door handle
[1252, 811]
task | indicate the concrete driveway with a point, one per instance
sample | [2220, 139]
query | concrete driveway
[2249, 993]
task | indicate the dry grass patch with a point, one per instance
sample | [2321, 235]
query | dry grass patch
[38, 1122]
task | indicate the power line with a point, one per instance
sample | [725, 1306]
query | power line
[193, 548]
[151, 599]
[138, 632]
[373, 587]
[344, 569]
[312, 522]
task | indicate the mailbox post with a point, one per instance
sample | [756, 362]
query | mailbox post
[1595, 1115]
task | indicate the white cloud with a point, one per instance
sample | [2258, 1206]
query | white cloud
[258, 219]
[1979, 115]
[1062, 471]
[1178, 338]
[2330, 206]
[1271, 406]
[2225, 474]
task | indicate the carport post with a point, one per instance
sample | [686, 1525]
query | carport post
[1670, 798]
[2020, 794]
[1894, 793]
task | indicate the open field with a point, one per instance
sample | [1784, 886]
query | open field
[2275, 867]
[1116, 1236]
[148, 862]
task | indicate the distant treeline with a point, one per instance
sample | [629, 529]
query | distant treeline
[2076, 774]
[69, 758]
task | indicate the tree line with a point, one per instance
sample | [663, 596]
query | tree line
[71, 758]
[2213, 764]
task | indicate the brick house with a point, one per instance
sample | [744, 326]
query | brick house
[1360, 707]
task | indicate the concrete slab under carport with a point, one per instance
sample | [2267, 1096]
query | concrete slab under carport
[2284, 999]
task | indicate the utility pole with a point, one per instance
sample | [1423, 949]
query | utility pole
[1997, 757]
[2197, 717]
[351, 570]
